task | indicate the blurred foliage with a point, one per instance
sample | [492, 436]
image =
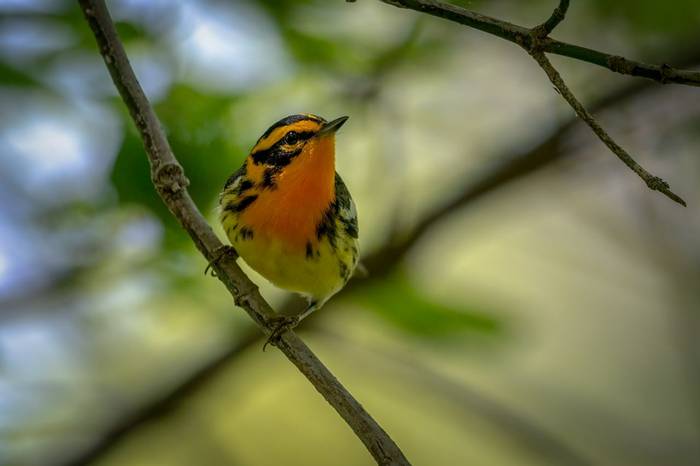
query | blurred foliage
[106, 307]
[673, 20]
[202, 144]
[12, 76]
[402, 303]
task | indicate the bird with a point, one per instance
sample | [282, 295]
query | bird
[289, 215]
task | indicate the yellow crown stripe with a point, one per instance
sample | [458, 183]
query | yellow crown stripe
[278, 133]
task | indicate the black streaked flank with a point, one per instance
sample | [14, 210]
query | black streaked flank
[344, 201]
[351, 229]
[245, 186]
[246, 233]
[344, 270]
[309, 251]
[236, 175]
[327, 226]
[243, 204]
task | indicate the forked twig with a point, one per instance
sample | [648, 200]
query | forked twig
[536, 42]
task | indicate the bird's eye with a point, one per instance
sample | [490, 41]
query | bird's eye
[291, 138]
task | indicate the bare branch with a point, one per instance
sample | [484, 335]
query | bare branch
[522, 36]
[170, 182]
[540, 32]
[558, 15]
[653, 182]
[536, 43]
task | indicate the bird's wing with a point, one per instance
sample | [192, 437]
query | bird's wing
[347, 214]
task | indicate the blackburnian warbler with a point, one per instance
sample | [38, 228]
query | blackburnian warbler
[289, 215]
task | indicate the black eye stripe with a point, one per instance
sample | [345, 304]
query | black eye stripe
[305, 135]
[276, 154]
[300, 136]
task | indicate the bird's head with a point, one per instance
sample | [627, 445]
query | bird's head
[298, 147]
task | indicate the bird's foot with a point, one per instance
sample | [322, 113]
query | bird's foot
[219, 253]
[280, 325]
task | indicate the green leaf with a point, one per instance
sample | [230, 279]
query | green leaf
[197, 128]
[675, 19]
[200, 129]
[324, 52]
[12, 76]
[130, 32]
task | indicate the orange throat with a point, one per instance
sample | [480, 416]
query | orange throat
[291, 210]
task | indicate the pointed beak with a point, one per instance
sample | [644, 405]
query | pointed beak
[332, 126]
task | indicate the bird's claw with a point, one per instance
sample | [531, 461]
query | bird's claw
[281, 325]
[219, 253]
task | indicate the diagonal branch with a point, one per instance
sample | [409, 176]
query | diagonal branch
[540, 33]
[536, 42]
[170, 182]
[653, 182]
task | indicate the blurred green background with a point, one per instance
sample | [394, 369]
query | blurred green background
[529, 302]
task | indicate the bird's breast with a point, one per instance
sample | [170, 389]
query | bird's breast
[287, 217]
[291, 207]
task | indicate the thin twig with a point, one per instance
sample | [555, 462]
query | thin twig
[536, 43]
[539, 33]
[521, 35]
[653, 182]
[171, 184]
[558, 15]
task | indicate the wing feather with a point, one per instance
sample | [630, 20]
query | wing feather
[346, 207]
